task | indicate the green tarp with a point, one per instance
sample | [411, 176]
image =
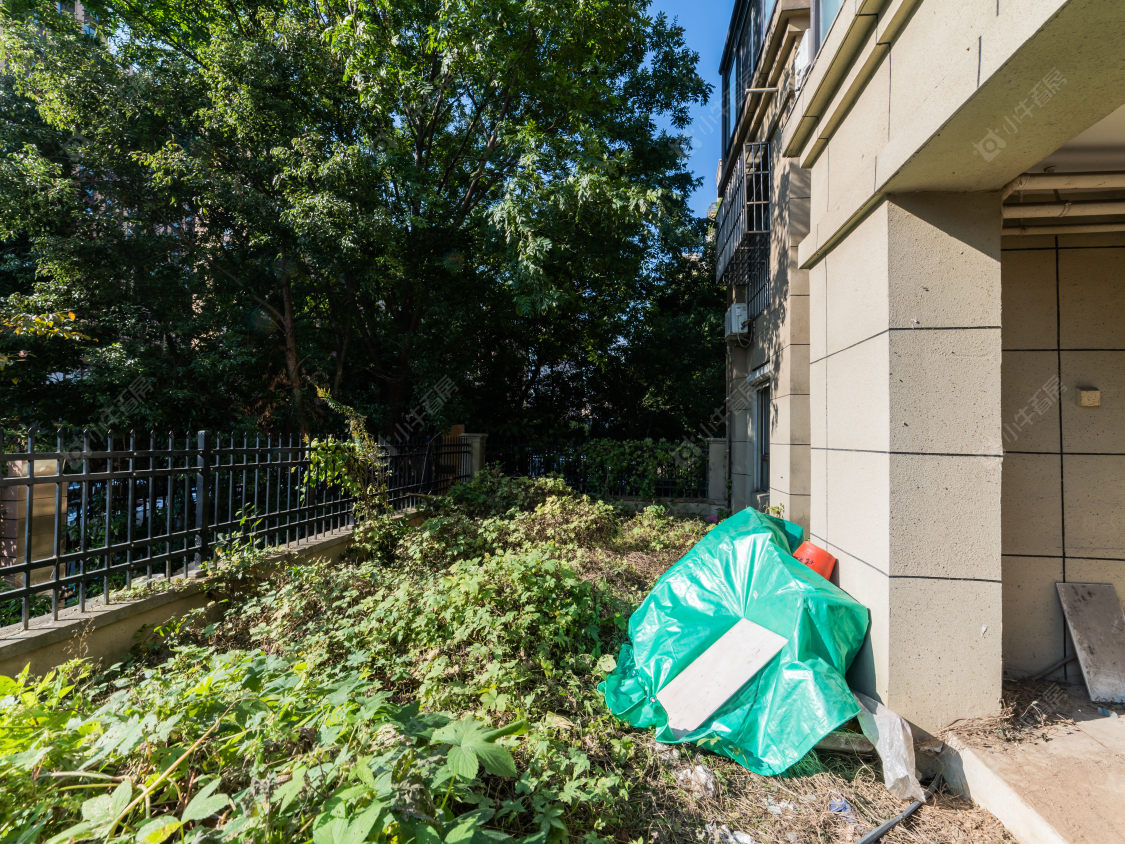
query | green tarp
[743, 568]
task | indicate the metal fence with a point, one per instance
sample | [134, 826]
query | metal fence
[602, 468]
[420, 468]
[83, 519]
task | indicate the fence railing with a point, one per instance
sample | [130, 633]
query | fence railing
[646, 469]
[84, 519]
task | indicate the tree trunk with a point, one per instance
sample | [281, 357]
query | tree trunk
[292, 362]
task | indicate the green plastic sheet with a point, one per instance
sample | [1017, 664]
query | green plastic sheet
[744, 568]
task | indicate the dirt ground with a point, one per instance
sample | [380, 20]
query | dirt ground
[1032, 710]
[798, 808]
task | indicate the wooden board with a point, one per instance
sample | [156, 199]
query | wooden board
[1097, 626]
[716, 675]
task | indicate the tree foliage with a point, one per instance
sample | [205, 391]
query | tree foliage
[243, 199]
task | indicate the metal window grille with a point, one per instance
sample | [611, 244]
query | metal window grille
[743, 229]
[81, 519]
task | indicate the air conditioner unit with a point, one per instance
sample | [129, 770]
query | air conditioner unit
[738, 324]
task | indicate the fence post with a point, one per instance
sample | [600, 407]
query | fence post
[717, 472]
[202, 499]
[476, 451]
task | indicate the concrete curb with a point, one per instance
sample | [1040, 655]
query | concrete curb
[971, 776]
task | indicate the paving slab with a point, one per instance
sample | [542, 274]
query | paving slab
[1065, 785]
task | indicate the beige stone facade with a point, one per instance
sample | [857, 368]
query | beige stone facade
[1063, 495]
[947, 276]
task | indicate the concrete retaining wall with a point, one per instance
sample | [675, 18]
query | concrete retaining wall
[105, 633]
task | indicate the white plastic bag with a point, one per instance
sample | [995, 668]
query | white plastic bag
[894, 743]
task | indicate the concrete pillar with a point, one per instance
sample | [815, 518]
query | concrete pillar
[738, 422]
[906, 457]
[789, 347]
[476, 450]
[717, 473]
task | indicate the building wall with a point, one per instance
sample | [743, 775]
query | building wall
[908, 96]
[790, 453]
[1063, 499]
[777, 354]
[906, 459]
[898, 123]
[742, 359]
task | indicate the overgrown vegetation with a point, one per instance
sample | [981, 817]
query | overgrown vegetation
[647, 469]
[438, 686]
[311, 708]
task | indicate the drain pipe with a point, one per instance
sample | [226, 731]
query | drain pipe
[878, 833]
[1064, 181]
[1063, 209]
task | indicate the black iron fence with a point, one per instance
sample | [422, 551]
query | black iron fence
[644, 469]
[83, 519]
[420, 468]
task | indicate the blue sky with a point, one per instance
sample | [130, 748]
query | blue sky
[705, 22]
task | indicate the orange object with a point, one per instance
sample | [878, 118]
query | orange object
[816, 559]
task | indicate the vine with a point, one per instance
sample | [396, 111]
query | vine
[357, 464]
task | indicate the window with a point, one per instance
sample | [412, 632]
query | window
[730, 108]
[740, 56]
[766, 15]
[824, 12]
[762, 419]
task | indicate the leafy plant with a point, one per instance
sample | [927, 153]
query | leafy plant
[60, 325]
[241, 746]
[777, 510]
[358, 464]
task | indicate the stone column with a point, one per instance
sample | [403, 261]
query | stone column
[738, 423]
[476, 450]
[906, 456]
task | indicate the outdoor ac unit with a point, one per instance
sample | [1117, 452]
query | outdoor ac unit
[737, 323]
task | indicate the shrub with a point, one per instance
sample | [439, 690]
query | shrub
[441, 540]
[301, 712]
[656, 528]
[565, 520]
[491, 493]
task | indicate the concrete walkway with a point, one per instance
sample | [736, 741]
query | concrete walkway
[1066, 785]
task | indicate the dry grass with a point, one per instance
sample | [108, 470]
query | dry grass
[1030, 710]
[794, 809]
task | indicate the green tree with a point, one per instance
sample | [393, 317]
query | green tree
[670, 373]
[248, 197]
